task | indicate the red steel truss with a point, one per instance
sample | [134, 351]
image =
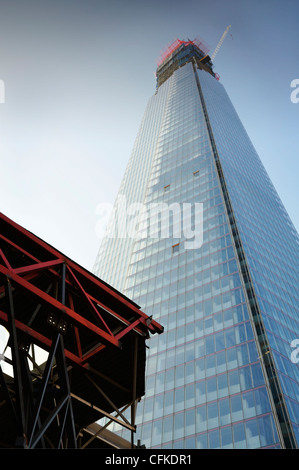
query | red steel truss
[48, 300]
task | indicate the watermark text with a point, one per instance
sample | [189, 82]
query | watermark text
[154, 220]
[295, 352]
[295, 93]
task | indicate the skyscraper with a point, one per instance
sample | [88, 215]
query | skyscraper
[200, 239]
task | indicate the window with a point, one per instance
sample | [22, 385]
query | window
[168, 428]
[226, 438]
[248, 404]
[224, 411]
[179, 397]
[213, 420]
[201, 419]
[157, 432]
[178, 425]
[214, 439]
[265, 430]
[239, 436]
[175, 248]
[202, 441]
[236, 408]
[252, 434]
[190, 422]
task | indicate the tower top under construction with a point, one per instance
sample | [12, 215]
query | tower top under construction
[178, 54]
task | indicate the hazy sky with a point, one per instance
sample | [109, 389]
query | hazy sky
[78, 75]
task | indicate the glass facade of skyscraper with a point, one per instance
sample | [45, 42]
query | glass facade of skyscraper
[221, 374]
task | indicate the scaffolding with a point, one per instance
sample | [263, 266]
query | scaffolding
[93, 339]
[178, 54]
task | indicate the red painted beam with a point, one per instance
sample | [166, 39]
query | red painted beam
[87, 298]
[38, 266]
[17, 247]
[119, 335]
[41, 339]
[76, 329]
[58, 306]
[154, 327]
[2, 255]
[129, 328]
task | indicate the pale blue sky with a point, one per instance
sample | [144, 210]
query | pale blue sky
[78, 75]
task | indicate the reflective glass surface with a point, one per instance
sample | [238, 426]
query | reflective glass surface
[204, 383]
[269, 239]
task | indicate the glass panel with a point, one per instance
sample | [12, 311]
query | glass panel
[213, 420]
[239, 436]
[226, 438]
[224, 412]
[252, 434]
[201, 419]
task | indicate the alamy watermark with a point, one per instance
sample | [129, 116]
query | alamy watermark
[295, 93]
[295, 352]
[155, 220]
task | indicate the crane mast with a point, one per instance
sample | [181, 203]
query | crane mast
[220, 42]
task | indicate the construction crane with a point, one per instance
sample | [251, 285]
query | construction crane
[220, 42]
